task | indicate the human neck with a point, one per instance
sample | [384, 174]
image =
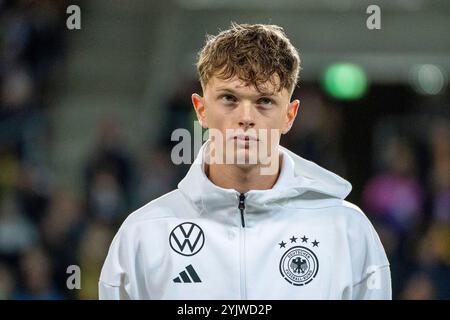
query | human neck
[240, 178]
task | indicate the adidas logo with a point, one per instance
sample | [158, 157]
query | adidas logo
[184, 277]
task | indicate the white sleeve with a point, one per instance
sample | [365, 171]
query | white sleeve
[108, 292]
[114, 282]
[371, 277]
[376, 285]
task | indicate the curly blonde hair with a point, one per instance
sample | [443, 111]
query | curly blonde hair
[255, 53]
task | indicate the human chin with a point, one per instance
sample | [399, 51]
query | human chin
[246, 154]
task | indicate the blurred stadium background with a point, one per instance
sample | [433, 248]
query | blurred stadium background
[86, 117]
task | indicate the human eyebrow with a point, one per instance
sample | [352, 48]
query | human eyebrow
[260, 95]
[266, 97]
[227, 90]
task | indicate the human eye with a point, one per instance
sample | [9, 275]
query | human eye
[228, 98]
[265, 102]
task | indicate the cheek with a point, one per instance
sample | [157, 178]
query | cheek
[218, 116]
[275, 121]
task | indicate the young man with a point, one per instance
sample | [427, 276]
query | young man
[246, 224]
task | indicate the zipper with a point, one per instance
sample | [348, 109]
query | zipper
[241, 207]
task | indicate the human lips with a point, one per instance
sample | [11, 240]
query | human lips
[243, 137]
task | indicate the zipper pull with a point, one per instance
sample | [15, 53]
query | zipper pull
[242, 208]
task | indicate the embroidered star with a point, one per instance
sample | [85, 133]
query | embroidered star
[293, 239]
[282, 244]
[304, 239]
[315, 243]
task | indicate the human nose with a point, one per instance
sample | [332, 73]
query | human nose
[246, 116]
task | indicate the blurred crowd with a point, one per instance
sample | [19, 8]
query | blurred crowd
[45, 226]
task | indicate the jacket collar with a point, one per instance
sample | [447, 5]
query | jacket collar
[299, 179]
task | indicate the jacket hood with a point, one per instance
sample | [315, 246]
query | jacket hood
[299, 179]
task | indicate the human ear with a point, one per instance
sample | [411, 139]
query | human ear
[199, 106]
[291, 113]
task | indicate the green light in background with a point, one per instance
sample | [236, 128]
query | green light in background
[345, 81]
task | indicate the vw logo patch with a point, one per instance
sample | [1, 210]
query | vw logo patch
[299, 265]
[187, 239]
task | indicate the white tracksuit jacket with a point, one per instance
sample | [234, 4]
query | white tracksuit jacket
[298, 240]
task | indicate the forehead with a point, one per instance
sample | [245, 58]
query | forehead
[235, 84]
